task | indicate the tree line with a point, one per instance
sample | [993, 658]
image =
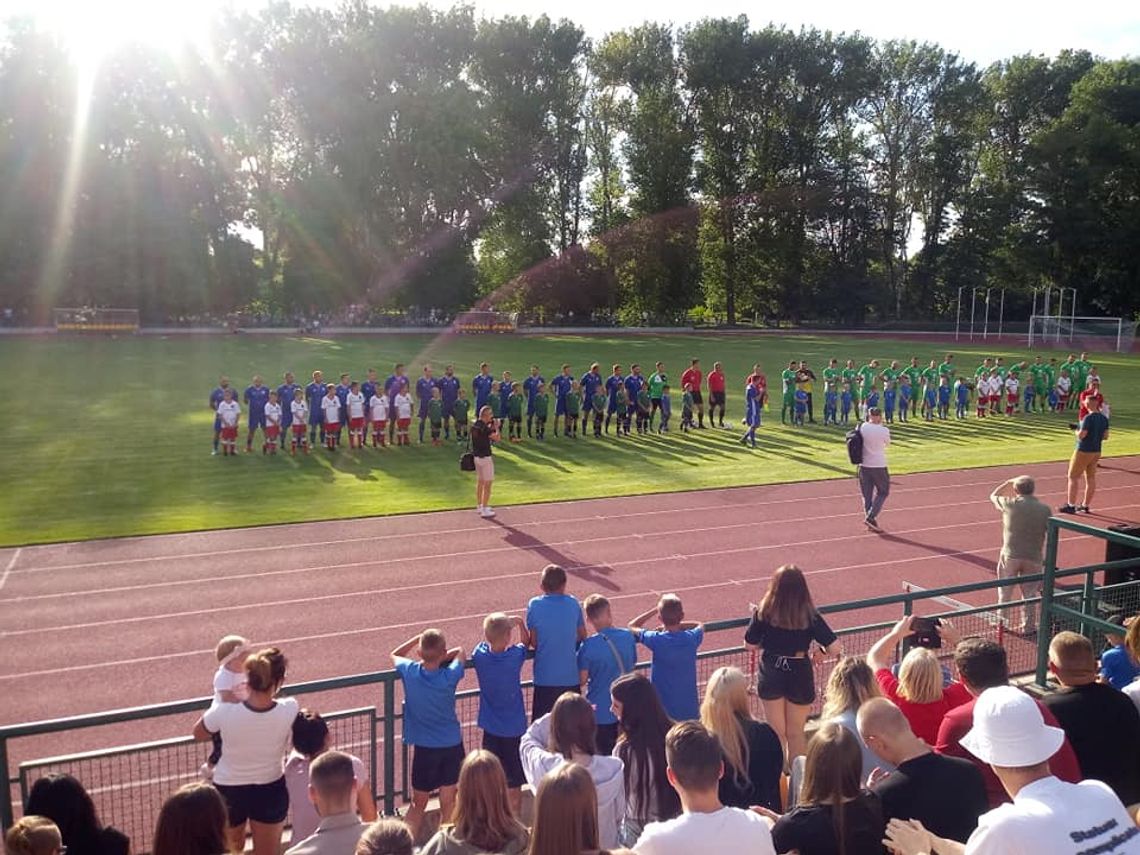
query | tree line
[412, 157]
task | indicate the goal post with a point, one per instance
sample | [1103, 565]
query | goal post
[1082, 332]
[91, 320]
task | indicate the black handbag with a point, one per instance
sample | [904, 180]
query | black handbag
[467, 459]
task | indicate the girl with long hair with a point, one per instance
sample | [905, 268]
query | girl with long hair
[566, 815]
[256, 735]
[642, 725]
[482, 822]
[790, 636]
[191, 822]
[921, 689]
[850, 685]
[753, 755]
[565, 735]
[62, 799]
[835, 815]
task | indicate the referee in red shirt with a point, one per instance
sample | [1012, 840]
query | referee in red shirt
[716, 393]
[692, 378]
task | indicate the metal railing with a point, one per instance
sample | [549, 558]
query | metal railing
[129, 783]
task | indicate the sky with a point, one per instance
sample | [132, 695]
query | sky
[979, 30]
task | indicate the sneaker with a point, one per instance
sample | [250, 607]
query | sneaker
[214, 453]
[1083, 509]
[487, 512]
[479, 510]
[1067, 509]
[872, 524]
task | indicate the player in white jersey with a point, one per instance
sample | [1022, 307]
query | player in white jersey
[378, 411]
[330, 410]
[229, 411]
[300, 410]
[1011, 386]
[272, 425]
[354, 404]
[403, 402]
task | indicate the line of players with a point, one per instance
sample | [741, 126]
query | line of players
[933, 390]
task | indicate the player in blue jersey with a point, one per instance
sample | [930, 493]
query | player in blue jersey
[561, 386]
[448, 393]
[392, 385]
[425, 391]
[368, 387]
[216, 397]
[530, 389]
[634, 383]
[255, 397]
[753, 396]
[313, 394]
[481, 386]
[285, 393]
[614, 382]
[590, 382]
[342, 390]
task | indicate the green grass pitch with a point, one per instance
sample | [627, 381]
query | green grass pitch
[110, 437]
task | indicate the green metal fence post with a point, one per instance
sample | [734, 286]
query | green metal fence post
[7, 817]
[1088, 600]
[1045, 621]
[389, 747]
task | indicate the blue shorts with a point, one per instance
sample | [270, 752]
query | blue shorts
[424, 407]
[217, 423]
[530, 408]
[611, 407]
[448, 408]
[256, 420]
[560, 407]
[315, 418]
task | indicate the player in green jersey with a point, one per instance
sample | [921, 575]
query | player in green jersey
[435, 415]
[573, 408]
[832, 374]
[850, 375]
[459, 411]
[788, 390]
[867, 375]
[541, 412]
[914, 374]
[946, 368]
[600, 402]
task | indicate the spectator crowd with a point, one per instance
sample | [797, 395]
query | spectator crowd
[914, 753]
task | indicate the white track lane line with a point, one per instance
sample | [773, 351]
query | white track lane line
[10, 567]
[469, 529]
[383, 562]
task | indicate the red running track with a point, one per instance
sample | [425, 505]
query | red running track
[116, 623]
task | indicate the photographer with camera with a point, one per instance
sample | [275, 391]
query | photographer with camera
[919, 689]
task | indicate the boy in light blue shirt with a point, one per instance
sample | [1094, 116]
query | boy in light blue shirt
[430, 723]
[674, 671]
[845, 399]
[603, 657]
[502, 713]
[555, 623]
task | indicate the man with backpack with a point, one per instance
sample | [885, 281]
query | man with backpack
[867, 448]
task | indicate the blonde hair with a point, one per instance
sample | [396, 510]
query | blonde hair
[670, 609]
[432, 645]
[496, 627]
[850, 685]
[483, 817]
[920, 677]
[228, 645]
[724, 705]
[1072, 653]
[33, 835]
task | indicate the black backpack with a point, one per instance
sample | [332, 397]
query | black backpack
[855, 446]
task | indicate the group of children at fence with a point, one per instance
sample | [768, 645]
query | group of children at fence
[934, 391]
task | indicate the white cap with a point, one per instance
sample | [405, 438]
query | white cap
[1010, 731]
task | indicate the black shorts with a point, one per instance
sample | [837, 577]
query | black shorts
[697, 399]
[506, 748]
[542, 701]
[264, 803]
[433, 768]
[716, 399]
[790, 679]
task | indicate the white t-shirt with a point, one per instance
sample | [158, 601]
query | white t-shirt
[355, 403]
[331, 408]
[304, 812]
[1055, 817]
[226, 680]
[253, 743]
[300, 411]
[378, 404]
[730, 829]
[229, 411]
[1133, 689]
[876, 438]
[1064, 384]
[1011, 385]
[273, 414]
[403, 406]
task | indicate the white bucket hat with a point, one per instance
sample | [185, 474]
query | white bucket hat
[1010, 731]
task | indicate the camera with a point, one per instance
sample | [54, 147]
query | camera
[926, 633]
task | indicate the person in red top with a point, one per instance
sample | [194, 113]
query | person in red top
[1093, 391]
[692, 378]
[982, 665]
[918, 689]
[716, 393]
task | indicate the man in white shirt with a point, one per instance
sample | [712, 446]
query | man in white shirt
[695, 765]
[1047, 815]
[332, 788]
[874, 479]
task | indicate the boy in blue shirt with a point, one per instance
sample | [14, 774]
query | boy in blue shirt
[929, 401]
[845, 401]
[889, 399]
[961, 397]
[430, 723]
[674, 671]
[905, 392]
[872, 399]
[944, 397]
[1030, 396]
[502, 713]
[801, 408]
[555, 623]
[603, 657]
[830, 403]
[1116, 665]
